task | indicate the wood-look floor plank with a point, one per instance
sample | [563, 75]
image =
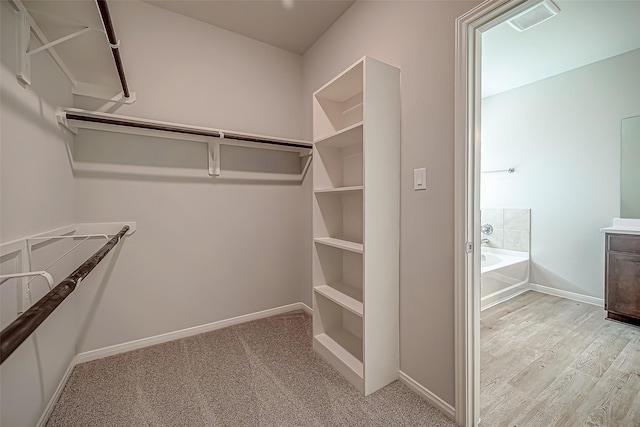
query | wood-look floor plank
[501, 405]
[523, 301]
[522, 353]
[633, 417]
[609, 402]
[629, 358]
[532, 306]
[600, 354]
[548, 361]
[562, 396]
[555, 359]
[513, 335]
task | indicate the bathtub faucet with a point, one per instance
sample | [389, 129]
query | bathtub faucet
[485, 240]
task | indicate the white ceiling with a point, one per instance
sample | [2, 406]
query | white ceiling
[294, 28]
[584, 32]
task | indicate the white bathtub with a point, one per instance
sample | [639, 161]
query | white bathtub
[504, 274]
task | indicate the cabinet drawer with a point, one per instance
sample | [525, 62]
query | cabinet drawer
[624, 243]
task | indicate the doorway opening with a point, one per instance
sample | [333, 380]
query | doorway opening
[537, 176]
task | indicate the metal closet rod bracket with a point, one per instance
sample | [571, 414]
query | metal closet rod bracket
[45, 274]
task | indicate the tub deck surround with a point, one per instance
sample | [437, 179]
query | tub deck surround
[505, 254]
[504, 275]
[623, 226]
[498, 258]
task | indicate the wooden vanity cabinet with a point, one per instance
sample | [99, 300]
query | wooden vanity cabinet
[622, 278]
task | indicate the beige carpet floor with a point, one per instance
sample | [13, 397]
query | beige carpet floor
[262, 373]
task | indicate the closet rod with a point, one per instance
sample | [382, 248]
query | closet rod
[13, 335]
[114, 43]
[168, 128]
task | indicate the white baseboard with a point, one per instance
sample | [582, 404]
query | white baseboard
[599, 302]
[56, 395]
[159, 339]
[183, 333]
[427, 395]
[306, 308]
[503, 295]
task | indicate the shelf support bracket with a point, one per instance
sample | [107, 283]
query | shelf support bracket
[60, 40]
[214, 157]
[24, 38]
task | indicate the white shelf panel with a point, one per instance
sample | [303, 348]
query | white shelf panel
[340, 244]
[335, 344]
[348, 136]
[340, 189]
[344, 85]
[343, 295]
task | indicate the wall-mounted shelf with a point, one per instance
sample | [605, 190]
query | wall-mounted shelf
[356, 125]
[74, 119]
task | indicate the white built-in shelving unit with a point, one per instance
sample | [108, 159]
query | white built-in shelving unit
[356, 206]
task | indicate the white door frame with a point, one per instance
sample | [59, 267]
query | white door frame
[469, 29]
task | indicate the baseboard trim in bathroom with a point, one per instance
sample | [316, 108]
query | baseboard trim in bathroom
[503, 295]
[100, 353]
[428, 395]
[598, 302]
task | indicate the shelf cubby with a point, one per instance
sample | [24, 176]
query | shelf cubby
[339, 215]
[339, 331]
[337, 275]
[339, 104]
[340, 160]
[340, 358]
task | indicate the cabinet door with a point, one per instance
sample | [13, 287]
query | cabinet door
[623, 283]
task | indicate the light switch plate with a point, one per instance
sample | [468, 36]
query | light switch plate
[420, 179]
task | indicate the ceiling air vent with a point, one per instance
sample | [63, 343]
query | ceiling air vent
[534, 15]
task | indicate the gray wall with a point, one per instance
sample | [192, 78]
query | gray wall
[419, 38]
[36, 189]
[562, 134]
[205, 249]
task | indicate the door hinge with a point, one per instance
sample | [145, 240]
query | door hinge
[468, 247]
